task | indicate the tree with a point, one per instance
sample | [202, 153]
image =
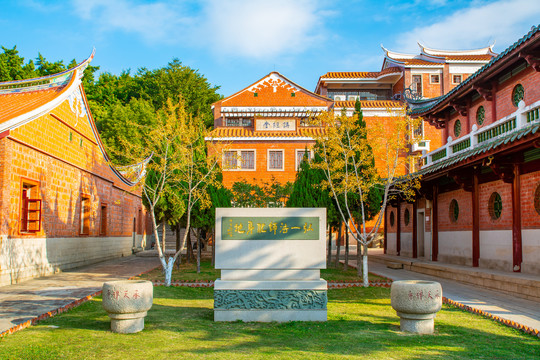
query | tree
[12, 66]
[268, 194]
[307, 192]
[180, 167]
[348, 165]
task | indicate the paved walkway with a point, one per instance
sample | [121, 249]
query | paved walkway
[24, 302]
[520, 311]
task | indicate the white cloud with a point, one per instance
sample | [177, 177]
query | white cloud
[246, 28]
[476, 26]
[260, 29]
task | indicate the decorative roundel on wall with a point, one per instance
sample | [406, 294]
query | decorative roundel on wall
[454, 210]
[457, 128]
[392, 218]
[495, 206]
[407, 217]
[480, 115]
[537, 200]
[518, 94]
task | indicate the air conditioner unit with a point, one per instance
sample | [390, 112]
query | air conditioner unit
[339, 98]
[353, 97]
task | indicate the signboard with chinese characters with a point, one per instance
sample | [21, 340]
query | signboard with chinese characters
[275, 124]
[269, 228]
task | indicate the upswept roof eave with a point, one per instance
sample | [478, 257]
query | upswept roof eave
[480, 73]
[488, 50]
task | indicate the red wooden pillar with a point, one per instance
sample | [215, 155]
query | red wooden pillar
[385, 229]
[398, 228]
[414, 230]
[475, 220]
[517, 254]
[435, 225]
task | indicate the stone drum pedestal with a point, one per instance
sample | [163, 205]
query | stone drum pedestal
[127, 302]
[270, 261]
[416, 303]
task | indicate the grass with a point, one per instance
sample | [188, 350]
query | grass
[361, 325]
[188, 272]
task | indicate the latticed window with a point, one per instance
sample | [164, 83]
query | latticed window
[407, 217]
[480, 115]
[495, 206]
[229, 160]
[247, 158]
[392, 219]
[275, 160]
[30, 209]
[300, 156]
[537, 200]
[457, 128]
[454, 210]
[518, 94]
[85, 215]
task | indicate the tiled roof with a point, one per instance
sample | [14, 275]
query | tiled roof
[227, 132]
[15, 104]
[468, 57]
[366, 104]
[419, 62]
[359, 75]
[470, 79]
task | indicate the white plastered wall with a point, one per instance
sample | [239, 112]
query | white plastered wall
[25, 258]
[391, 246]
[496, 249]
[455, 247]
[406, 244]
[531, 251]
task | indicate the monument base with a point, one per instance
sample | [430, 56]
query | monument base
[270, 315]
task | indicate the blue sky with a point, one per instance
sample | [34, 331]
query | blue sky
[235, 42]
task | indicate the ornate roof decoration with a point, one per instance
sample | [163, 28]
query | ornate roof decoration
[274, 80]
[369, 104]
[473, 78]
[482, 51]
[135, 173]
[231, 133]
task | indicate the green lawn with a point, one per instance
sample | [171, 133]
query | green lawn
[361, 324]
[188, 272]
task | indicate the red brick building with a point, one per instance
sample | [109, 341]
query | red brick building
[62, 204]
[264, 129]
[479, 204]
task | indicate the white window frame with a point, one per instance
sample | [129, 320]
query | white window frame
[268, 160]
[457, 83]
[421, 83]
[296, 157]
[239, 160]
[432, 82]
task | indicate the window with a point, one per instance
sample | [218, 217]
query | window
[239, 160]
[537, 200]
[457, 79]
[457, 128]
[434, 79]
[244, 122]
[417, 84]
[392, 219]
[275, 160]
[85, 215]
[480, 115]
[518, 94]
[454, 210]
[407, 217]
[300, 157]
[30, 208]
[103, 228]
[495, 206]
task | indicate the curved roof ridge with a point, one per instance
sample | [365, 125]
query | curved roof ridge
[488, 50]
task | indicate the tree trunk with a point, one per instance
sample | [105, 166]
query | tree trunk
[338, 244]
[329, 255]
[198, 251]
[359, 265]
[346, 266]
[189, 249]
[365, 264]
[163, 232]
[179, 259]
[214, 247]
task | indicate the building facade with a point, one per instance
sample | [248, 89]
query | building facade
[479, 202]
[62, 203]
[264, 131]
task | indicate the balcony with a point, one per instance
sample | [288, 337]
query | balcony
[486, 137]
[422, 145]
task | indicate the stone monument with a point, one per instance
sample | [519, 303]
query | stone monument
[270, 261]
